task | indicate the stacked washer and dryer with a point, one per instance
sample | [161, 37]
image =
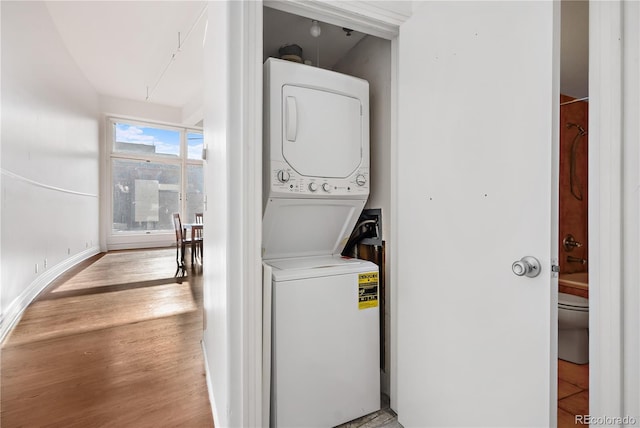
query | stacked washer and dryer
[321, 310]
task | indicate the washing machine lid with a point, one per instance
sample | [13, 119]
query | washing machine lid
[322, 132]
[316, 267]
[307, 227]
[576, 303]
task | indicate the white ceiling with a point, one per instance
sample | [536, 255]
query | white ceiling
[123, 47]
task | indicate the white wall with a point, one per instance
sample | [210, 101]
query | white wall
[140, 110]
[232, 271]
[216, 338]
[50, 141]
[631, 203]
[370, 59]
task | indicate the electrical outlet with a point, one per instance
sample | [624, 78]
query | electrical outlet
[68, 251]
[45, 263]
[36, 267]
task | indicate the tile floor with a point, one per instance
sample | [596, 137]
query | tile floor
[573, 392]
[573, 399]
[383, 418]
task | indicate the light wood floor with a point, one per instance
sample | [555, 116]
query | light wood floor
[115, 343]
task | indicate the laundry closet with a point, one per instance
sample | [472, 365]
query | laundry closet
[311, 43]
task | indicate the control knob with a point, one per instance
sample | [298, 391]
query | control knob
[283, 176]
[313, 186]
[326, 187]
[361, 180]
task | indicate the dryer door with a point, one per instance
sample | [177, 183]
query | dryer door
[322, 133]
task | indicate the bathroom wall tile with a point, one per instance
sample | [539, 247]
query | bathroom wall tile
[573, 212]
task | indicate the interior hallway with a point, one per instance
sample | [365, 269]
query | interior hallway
[114, 342]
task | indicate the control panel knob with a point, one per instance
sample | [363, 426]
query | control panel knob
[326, 187]
[283, 176]
[313, 186]
[361, 180]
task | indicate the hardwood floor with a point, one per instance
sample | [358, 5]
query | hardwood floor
[115, 342]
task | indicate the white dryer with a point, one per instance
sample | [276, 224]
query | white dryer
[321, 310]
[316, 158]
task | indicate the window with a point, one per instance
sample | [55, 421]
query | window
[146, 140]
[194, 192]
[195, 143]
[156, 171]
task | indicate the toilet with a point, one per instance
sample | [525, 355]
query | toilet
[573, 328]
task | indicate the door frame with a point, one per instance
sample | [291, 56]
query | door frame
[609, 254]
[605, 197]
[375, 19]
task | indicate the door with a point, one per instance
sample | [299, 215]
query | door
[322, 132]
[478, 96]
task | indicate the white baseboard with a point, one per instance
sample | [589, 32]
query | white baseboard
[212, 402]
[15, 310]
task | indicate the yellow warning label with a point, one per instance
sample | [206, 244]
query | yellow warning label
[368, 290]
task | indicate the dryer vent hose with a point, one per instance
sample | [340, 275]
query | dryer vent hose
[367, 228]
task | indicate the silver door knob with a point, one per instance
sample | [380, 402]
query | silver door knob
[526, 266]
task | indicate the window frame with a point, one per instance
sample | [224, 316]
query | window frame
[145, 238]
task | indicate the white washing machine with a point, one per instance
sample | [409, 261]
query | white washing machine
[325, 363]
[321, 310]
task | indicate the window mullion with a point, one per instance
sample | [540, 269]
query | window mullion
[183, 170]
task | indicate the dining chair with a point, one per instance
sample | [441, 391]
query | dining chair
[181, 243]
[196, 236]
